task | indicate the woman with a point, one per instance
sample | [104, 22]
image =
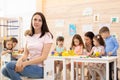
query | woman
[38, 44]
[88, 37]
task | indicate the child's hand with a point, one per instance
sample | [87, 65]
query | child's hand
[88, 54]
[110, 53]
[21, 50]
[8, 51]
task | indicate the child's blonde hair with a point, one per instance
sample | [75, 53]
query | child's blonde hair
[27, 32]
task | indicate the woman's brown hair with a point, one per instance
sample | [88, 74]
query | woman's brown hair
[44, 27]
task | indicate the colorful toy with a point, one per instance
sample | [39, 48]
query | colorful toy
[15, 53]
[97, 54]
[56, 54]
[65, 53]
[52, 53]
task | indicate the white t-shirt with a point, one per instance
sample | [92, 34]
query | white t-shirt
[35, 45]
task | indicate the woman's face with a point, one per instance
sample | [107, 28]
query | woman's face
[9, 45]
[87, 40]
[37, 22]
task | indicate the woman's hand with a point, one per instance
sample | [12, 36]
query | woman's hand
[18, 67]
[24, 64]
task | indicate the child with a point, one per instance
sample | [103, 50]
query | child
[15, 42]
[8, 45]
[59, 49]
[77, 45]
[99, 48]
[111, 45]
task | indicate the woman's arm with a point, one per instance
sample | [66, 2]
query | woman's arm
[90, 52]
[25, 54]
[40, 59]
[19, 65]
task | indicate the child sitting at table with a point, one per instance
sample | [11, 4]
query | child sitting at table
[98, 49]
[77, 45]
[15, 42]
[8, 45]
[59, 49]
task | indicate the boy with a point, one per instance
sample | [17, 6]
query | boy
[111, 45]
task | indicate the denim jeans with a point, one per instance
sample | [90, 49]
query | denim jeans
[32, 71]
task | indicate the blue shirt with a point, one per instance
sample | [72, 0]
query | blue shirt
[111, 45]
[59, 49]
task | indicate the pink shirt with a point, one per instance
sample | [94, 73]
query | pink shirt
[35, 45]
[98, 49]
[78, 49]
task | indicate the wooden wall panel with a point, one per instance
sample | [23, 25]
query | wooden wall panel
[71, 12]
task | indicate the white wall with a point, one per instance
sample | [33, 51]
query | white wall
[18, 8]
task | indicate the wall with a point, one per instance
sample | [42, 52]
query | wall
[71, 12]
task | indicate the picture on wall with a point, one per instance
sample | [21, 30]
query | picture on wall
[96, 17]
[72, 29]
[114, 19]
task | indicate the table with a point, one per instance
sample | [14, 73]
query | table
[83, 59]
[63, 59]
[105, 60]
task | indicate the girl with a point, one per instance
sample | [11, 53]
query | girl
[8, 49]
[8, 45]
[59, 49]
[94, 67]
[77, 45]
[98, 45]
[59, 45]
